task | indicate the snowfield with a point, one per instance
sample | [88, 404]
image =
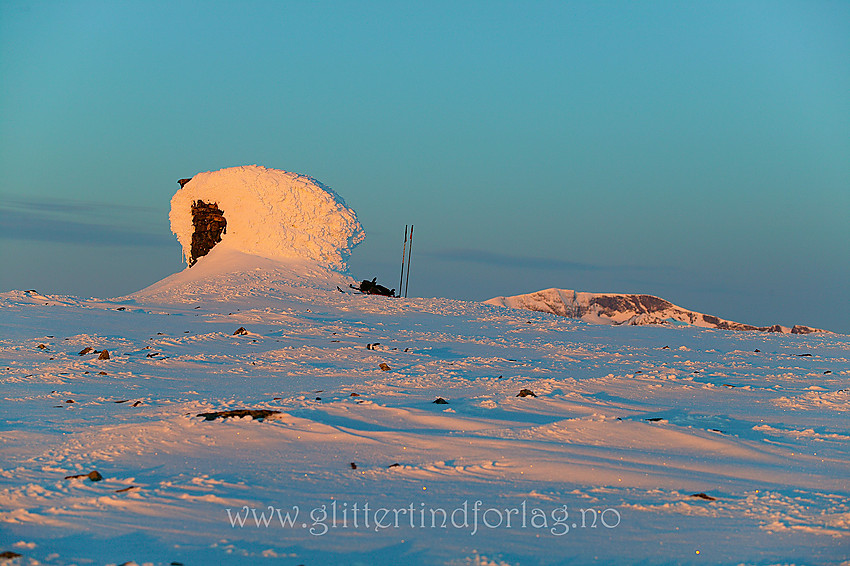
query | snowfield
[252, 409]
[651, 445]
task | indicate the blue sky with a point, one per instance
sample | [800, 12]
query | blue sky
[695, 151]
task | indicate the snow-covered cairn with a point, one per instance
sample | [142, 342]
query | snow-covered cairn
[266, 212]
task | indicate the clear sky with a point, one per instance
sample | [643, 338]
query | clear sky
[695, 151]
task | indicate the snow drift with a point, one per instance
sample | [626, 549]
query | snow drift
[618, 308]
[270, 213]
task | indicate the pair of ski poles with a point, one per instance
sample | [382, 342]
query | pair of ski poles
[405, 250]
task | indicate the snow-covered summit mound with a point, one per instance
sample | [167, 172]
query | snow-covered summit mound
[619, 308]
[266, 212]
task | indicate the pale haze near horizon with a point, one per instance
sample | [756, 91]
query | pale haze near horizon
[700, 153]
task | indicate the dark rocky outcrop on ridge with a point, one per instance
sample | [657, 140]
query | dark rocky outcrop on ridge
[208, 220]
[627, 309]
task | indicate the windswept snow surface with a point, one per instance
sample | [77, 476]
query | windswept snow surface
[599, 467]
[272, 213]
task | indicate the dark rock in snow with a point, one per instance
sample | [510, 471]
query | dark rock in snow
[441, 401]
[183, 181]
[654, 419]
[240, 331]
[526, 393]
[209, 222]
[385, 367]
[94, 475]
[258, 414]
[104, 355]
[42, 347]
[703, 496]
[86, 350]
[353, 466]
[9, 555]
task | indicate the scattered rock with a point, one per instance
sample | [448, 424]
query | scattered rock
[756, 350]
[318, 398]
[104, 355]
[526, 393]
[384, 367]
[804, 355]
[441, 401]
[42, 347]
[827, 371]
[8, 554]
[86, 350]
[102, 373]
[353, 466]
[121, 308]
[372, 346]
[703, 496]
[654, 419]
[258, 414]
[240, 331]
[94, 475]
[183, 181]
[69, 401]
[137, 403]
[126, 489]
[124, 401]
[355, 395]
[728, 385]
[396, 465]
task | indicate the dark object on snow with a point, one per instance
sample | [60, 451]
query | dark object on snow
[94, 475]
[209, 222]
[9, 555]
[183, 181]
[42, 347]
[86, 350]
[396, 465]
[355, 395]
[526, 393]
[104, 355]
[101, 373]
[121, 308]
[353, 466]
[257, 414]
[372, 288]
[340, 290]
[654, 419]
[756, 350]
[804, 355]
[385, 367]
[441, 401]
[126, 489]
[704, 496]
[240, 331]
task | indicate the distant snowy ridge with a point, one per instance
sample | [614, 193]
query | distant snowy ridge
[270, 213]
[619, 309]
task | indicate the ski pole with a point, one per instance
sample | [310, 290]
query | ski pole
[403, 252]
[409, 253]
